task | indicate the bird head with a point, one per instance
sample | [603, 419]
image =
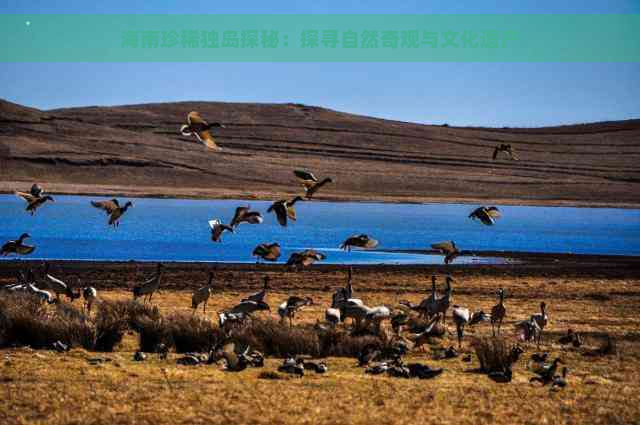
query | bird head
[24, 236]
[128, 204]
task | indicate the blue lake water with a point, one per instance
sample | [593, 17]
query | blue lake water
[177, 230]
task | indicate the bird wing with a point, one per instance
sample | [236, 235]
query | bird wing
[494, 212]
[108, 206]
[281, 212]
[291, 212]
[240, 213]
[26, 196]
[446, 247]
[205, 137]
[305, 176]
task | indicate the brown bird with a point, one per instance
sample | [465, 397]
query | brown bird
[284, 210]
[200, 128]
[34, 198]
[304, 258]
[359, 241]
[507, 149]
[498, 312]
[245, 215]
[310, 182]
[268, 252]
[17, 247]
[486, 215]
[113, 210]
[217, 228]
[449, 249]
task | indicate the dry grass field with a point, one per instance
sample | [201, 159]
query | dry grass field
[47, 387]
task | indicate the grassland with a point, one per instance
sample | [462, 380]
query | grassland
[46, 387]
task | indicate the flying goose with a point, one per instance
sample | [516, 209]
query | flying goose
[245, 215]
[34, 198]
[267, 251]
[498, 312]
[449, 249]
[310, 182]
[17, 246]
[305, 258]
[217, 228]
[506, 149]
[198, 127]
[486, 215]
[113, 210]
[359, 241]
[284, 210]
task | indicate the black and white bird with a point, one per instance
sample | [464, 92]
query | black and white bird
[486, 215]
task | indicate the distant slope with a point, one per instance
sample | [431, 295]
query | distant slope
[137, 150]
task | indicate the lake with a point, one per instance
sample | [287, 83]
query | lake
[177, 230]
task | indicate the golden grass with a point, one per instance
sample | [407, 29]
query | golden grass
[45, 387]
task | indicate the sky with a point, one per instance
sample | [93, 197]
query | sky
[487, 94]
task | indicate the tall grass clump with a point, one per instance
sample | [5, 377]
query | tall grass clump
[338, 343]
[494, 354]
[276, 339]
[115, 318]
[187, 332]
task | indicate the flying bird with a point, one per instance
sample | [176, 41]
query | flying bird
[217, 228]
[449, 249]
[267, 251]
[245, 215]
[35, 198]
[487, 215]
[507, 150]
[284, 210]
[17, 246]
[305, 258]
[310, 182]
[198, 127]
[359, 241]
[113, 210]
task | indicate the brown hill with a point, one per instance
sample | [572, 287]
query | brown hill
[137, 150]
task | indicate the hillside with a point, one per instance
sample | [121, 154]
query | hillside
[137, 150]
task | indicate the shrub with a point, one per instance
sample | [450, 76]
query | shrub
[188, 332]
[114, 318]
[494, 354]
[275, 339]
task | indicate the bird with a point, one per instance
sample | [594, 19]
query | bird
[332, 316]
[449, 249]
[245, 215]
[498, 312]
[236, 360]
[217, 228]
[547, 372]
[422, 371]
[90, 294]
[17, 246]
[310, 182]
[58, 286]
[289, 308]
[283, 209]
[34, 198]
[267, 251]
[259, 296]
[45, 296]
[319, 368]
[541, 319]
[539, 357]
[560, 381]
[113, 210]
[441, 305]
[202, 294]
[359, 241]
[200, 128]
[149, 287]
[248, 307]
[462, 317]
[304, 258]
[292, 366]
[486, 215]
[507, 149]
[572, 338]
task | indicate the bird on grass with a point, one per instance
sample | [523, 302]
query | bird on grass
[507, 149]
[498, 312]
[305, 258]
[245, 215]
[284, 211]
[35, 198]
[259, 296]
[267, 251]
[560, 381]
[449, 249]
[217, 228]
[310, 182]
[361, 241]
[17, 246]
[546, 372]
[292, 366]
[113, 210]
[289, 308]
[572, 338]
[486, 215]
[197, 126]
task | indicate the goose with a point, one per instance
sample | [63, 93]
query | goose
[283, 209]
[58, 286]
[359, 241]
[45, 296]
[539, 357]
[560, 381]
[528, 330]
[17, 246]
[498, 312]
[376, 315]
[245, 215]
[486, 215]
[506, 149]
[319, 368]
[449, 249]
[268, 252]
[248, 307]
[90, 294]
[332, 316]
[201, 295]
[113, 210]
[422, 371]
[259, 296]
[235, 360]
[541, 319]
[149, 287]
[547, 372]
[423, 307]
[304, 258]
[289, 308]
[419, 339]
[462, 317]
[34, 198]
[441, 305]
[310, 182]
[198, 127]
[292, 366]
[217, 228]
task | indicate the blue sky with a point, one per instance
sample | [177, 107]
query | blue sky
[491, 94]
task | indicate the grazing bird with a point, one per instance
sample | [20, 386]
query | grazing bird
[289, 308]
[498, 312]
[198, 127]
[58, 286]
[449, 249]
[259, 296]
[528, 330]
[507, 149]
[90, 294]
[268, 252]
[201, 295]
[17, 246]
[310, 182]
[547, 372]
[34, 198]
[217, 228]
[245, 215]
[113, 210]
[462, 317]
[299, 260]
[361, 241]
[541, 319]
[486, 215]
[248, 307]
[283, 209]
[149, 287]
